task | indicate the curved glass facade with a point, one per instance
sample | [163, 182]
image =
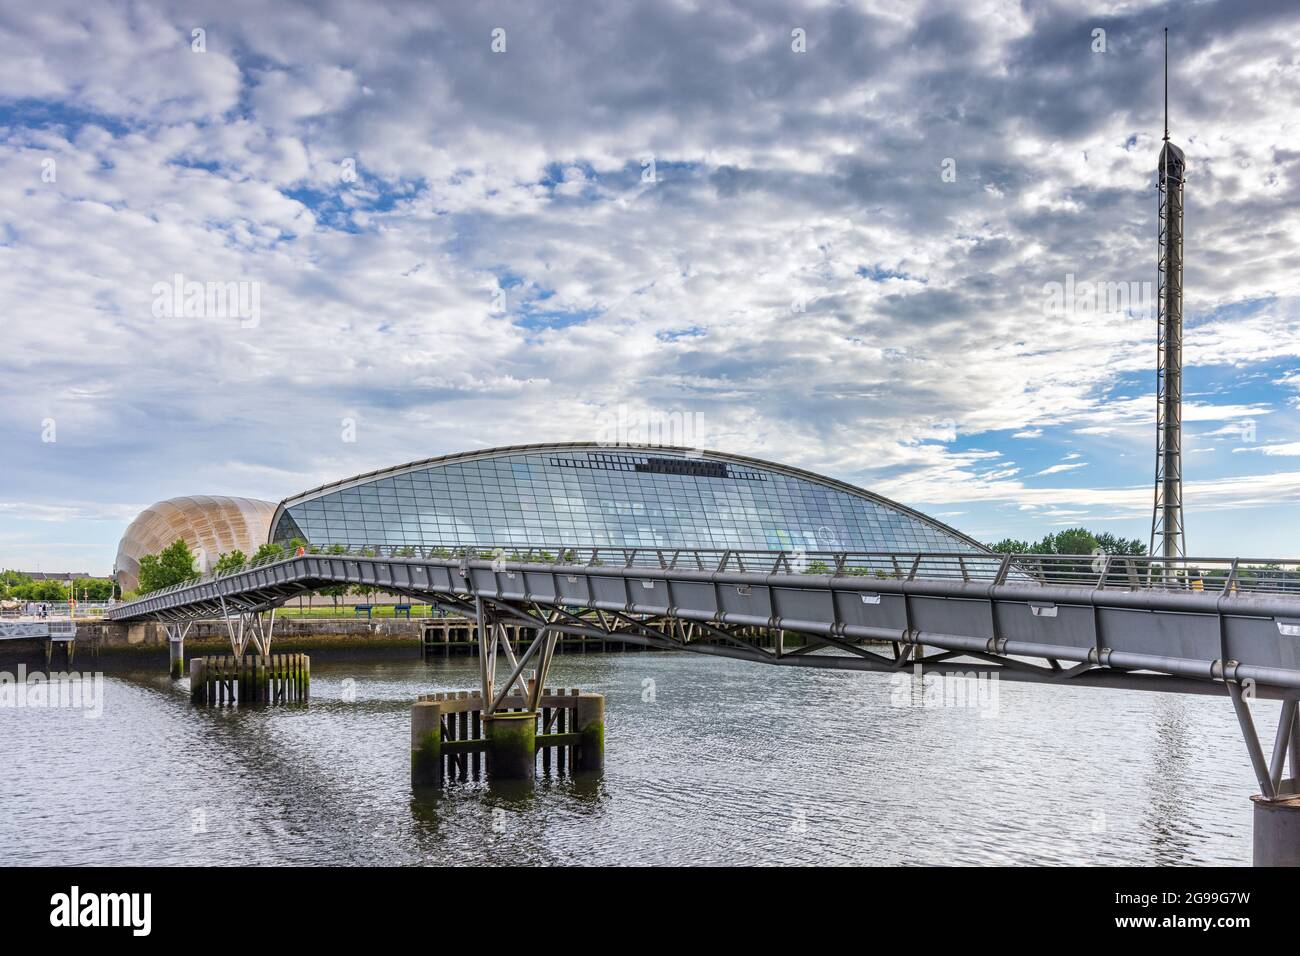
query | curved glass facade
[561, 495]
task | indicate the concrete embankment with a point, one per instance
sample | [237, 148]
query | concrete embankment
[112, 643]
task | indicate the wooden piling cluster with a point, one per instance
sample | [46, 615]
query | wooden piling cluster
[452, 739]
[252, 679]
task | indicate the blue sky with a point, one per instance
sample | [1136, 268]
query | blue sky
[652, 214]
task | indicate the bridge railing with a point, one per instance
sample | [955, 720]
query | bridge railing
[1131, 572]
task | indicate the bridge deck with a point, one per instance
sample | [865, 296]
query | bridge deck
[1117, 620]
[54, 629]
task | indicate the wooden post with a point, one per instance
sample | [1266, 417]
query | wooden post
[561, 726]
[198, 681]
[476, 733]
[426, 743]
[546, 729]
[589, 721]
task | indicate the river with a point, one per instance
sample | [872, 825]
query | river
[709, 761]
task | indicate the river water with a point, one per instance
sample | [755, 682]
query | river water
[709, 761]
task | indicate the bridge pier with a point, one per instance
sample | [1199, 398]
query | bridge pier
[1276, 837]
[176, 648]
[1277, 830]
[452, 731]
[176, 658]
[69, 650]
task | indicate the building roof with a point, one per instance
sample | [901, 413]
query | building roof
[542, 448]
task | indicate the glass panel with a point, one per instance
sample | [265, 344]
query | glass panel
[608, 498]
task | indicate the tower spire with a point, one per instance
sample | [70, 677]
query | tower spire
[1166, 84]
[1167, 540]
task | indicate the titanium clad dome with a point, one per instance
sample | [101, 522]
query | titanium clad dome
[209, 525]
[584, 494]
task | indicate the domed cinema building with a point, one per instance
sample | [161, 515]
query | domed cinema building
[590, 494]
[209, 525]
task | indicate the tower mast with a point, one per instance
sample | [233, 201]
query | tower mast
[1167, 539]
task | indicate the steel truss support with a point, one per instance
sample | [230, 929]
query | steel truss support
[668, 633]
[490, 619]
[1286, 742]
[248, 625]
[177, 630]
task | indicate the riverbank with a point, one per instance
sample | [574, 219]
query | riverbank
[109, 645]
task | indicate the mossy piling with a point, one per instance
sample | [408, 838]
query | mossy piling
[253, 679]
[452, 738]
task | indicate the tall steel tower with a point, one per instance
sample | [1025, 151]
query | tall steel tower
[1167, 518]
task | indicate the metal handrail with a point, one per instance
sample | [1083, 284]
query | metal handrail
[1117, 572]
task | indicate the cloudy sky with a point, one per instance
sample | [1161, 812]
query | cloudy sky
[825, 234]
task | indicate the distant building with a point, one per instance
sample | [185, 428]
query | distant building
[209, 525]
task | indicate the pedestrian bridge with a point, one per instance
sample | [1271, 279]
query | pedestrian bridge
[1206, 626]
[1127, 621]
[27, 628]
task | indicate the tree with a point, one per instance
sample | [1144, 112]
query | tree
[173, 565]
[268, 552]
[1072, 541]
[1069, 541]
[47, 592]
[1010, 546]
[230, 561]
[92, 589]
[11, 580]
[335, 591]
[1113, 545]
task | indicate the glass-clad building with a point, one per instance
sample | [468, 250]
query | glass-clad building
[581, 494]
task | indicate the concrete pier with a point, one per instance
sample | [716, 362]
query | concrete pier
[176, 658]
[1277, 831]
[512, 745]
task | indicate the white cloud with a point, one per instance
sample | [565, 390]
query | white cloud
[1057, 469]
[1285, 448]
[777, 176]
